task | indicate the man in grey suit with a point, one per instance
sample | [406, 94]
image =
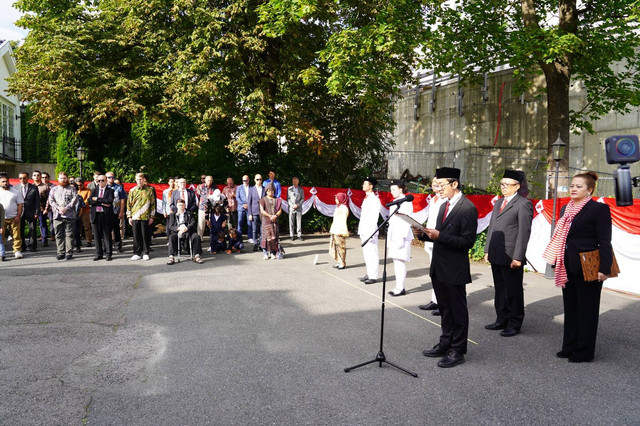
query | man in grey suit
[295, 198]
[507, 238]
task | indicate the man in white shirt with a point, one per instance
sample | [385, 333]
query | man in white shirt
[13, 203]
[370, 211]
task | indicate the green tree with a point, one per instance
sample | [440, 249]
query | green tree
[67, 160]
[92, 66]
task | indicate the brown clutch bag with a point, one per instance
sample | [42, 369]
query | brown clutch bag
[590, 261]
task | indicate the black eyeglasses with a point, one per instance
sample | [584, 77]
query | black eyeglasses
[258, 179]
[109, 177]
[100, 180]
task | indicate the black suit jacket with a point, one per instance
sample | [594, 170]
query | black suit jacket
[189, 220]
[450, 260]
[107, 199]
[191, 201]
[31, 201]
[590, 230]
[509, 231]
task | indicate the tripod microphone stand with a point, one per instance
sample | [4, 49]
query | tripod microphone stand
[380, 357]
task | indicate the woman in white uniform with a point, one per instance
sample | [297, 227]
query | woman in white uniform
[399, 238]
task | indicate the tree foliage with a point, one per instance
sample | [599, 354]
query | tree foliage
[219, 66]
[564, 41]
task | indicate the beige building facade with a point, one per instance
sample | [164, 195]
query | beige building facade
[486, 128]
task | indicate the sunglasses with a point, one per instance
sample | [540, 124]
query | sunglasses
[101, 180]
[109, 177]
[258, 179]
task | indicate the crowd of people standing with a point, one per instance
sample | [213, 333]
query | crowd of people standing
[64, 211]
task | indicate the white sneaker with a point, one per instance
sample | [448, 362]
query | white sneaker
[265, 256]
[18, 255]
[250, 241]
[145, 257]
[135, 257]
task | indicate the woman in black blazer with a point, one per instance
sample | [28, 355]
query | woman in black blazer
[585, 226]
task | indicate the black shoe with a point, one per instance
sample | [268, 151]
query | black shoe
[369, 281]
[563, 354]
[98, 258]
[402, 293]
[509, 332]
[300, 238]
[109, 258]
[45, 243]
[451, 359]
[119, 247]
[437, 351]
[293, 238]
[89, 244]
[256, 247]
[3, 258]
[69, 257]
[60, 257]
[32, 249]
[495, 326]
[428, 307]
[436, 313]
[363, 279]
[78, 249]
[573, 358]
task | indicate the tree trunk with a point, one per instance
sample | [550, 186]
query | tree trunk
[557, 77]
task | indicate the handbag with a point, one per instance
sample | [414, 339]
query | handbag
[590, 261]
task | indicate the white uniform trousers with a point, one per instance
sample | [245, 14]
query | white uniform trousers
[400, 270]
[371, 258]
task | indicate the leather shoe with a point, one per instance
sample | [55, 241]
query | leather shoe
[369, 281]
[509, 332]
[437, 351]
[363, 279]
[576, 359]
[436, 313]
[109, 258]
[98, 258]
[400, 293]
[428, 307]
[451, 359]
[495, 326]
[563, 354]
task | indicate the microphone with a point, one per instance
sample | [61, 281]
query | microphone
[408, 197]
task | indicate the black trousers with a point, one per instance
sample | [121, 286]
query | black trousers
[509, 301]
[141, 237]
[196, 244]
[101, 228]
[581, 313]
[452, 302]
[33, 240]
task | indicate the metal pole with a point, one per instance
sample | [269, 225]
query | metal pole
[555, 198]
[80, 161]
[549, 272]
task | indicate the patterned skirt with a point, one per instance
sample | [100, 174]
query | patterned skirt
[338, 249]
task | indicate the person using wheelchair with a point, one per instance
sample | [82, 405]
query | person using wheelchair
[181, 231]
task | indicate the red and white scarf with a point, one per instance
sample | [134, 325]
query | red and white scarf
[554, 253]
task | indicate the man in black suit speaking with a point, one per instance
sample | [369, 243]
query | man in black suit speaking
[507, 238]
[101, 202]
[450, 271]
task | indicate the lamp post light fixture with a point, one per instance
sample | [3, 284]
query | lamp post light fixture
[557, 149]
[80, 153]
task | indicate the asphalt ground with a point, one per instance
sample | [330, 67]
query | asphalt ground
[241, 341]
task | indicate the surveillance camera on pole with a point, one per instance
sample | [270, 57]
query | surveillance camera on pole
[623, 150]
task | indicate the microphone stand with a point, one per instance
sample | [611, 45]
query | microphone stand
[380, 357]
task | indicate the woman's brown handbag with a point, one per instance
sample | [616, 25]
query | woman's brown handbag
[590, 261]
